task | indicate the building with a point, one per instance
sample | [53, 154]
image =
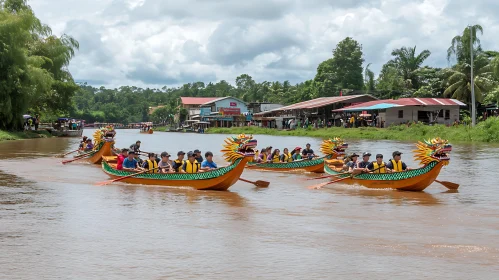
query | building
[403, 110]
[224, 112]
[258, 107]
[193, 105]
[315, 110]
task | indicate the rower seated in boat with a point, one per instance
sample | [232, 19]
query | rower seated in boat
[208, 163]
[286, 156]
[190, 165]
[262, 157]
[296, 154]
[396, 164]
[89, 145]
[179, 162]
[308, 153]
[275, 157]
[198, 156]
[121, 158]
[135, 147]
[130, 163]
[353, 164]
[151, 164]
[378, 166]
[165, 164]
[83, 143]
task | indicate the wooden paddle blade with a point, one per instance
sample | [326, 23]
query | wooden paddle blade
[262, 184]
[317, 186]
[103, 183]
[449, 185]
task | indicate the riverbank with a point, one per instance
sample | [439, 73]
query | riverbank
[19, 135]
[487, 131]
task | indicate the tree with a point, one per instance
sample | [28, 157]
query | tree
[369, 84]
[460, 45]
[458, 80]
[390, 82]
[431, 81]
[407, 62]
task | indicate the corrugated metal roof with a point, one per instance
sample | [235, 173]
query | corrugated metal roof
[197, 100]
[413, 101]
[315, 103]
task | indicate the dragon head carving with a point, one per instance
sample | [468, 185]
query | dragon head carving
[239, 147]
[436, 149]
[333, 147]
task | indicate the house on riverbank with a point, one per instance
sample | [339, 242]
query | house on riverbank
[403, 110]
[224, 112]
[319, 109]
[193, 105]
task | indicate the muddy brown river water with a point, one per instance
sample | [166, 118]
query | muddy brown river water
[56, 224]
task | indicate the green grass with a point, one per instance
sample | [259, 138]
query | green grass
[18, 135]
[487, 131]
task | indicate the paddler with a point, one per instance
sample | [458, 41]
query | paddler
[308, 153]
[263, 156]
[275, 157]
[83, 143]
[396, 164]
[365, 160]
[135, 147]
[190, 165]
[286, 156]
[165, 164]
[89, 145]
[121, 158]
[151, 164]
[130, 163]
[208, 163]
[256, 157]
[296, 153]
[353, 163]
[378, 166]
[177, 164]
[197, 155]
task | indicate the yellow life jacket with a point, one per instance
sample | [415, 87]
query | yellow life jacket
[152, 164]
[264, 159]
[378, 168]
[288, 157]
[178, 164]
[275, 158]
[191, 167]
[397, 167]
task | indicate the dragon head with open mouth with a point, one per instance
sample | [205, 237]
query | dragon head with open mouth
[239, 147]
[436, 149]
[333, 147]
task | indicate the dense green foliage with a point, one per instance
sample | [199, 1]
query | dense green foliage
[33, 73]
[487, 131]
[8, 135]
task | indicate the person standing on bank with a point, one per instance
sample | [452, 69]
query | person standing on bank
[396, 164]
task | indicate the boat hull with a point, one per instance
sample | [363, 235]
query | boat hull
[220, 180]
[150, 131]
[314, 166]
[96, 156]
[412, 180]
[67, 133]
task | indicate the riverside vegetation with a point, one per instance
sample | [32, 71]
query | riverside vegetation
[486, 131]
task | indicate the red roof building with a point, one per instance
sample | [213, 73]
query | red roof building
[196, 100]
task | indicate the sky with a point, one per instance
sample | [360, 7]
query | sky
[156, 43]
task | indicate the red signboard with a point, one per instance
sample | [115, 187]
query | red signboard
[233, 104]
[230, 111]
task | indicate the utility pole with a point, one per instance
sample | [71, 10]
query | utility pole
[473, 103]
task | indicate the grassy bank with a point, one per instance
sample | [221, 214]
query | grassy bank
[487, 131]
[18, 135]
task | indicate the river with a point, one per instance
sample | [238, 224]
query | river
[56, 224]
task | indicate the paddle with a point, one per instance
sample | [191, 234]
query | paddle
[75, 159]
[318, 186]
[327, 176]
[124, 177]
[67, 153]
[258, 183]
[449, 185]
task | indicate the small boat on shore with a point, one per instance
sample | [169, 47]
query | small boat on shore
[433, 154]
[237, 150]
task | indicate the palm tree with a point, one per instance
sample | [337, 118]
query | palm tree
[369, 84]
[406, 61]
[459, 80]
[460, 46]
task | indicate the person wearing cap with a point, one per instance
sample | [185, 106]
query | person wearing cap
[353, 163]
[197, 155]
[296, 153]
[208, 163]
[130, 163]
[378, 166]
[179, 162]
[151, 164]
[135, 147]
[89, 145]
[190, 165]
[121, 158]
[165, 164]
[396, 164]
[308, 153]
[286, 156]
[365, 160]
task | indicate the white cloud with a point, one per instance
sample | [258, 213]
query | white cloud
[169, 42]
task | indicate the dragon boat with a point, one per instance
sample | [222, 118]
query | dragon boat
[432, 154]
[103, 146]
[333, 149]
[237, 150]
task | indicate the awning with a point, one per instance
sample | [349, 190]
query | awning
[379, 106]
